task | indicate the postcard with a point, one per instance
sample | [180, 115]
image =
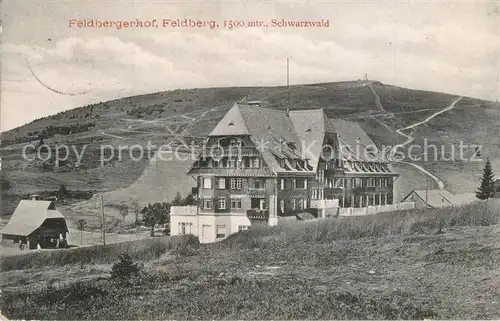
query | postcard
[251, 160]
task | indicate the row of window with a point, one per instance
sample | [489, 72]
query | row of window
[366, 200]
[296, 183]
[232, 183]
[359, 182]
[296, 204]
[221, 203]
[233, 162]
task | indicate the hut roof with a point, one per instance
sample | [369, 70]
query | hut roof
[30, 215]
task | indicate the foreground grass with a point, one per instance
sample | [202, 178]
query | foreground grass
[413, 265]
[144, 250]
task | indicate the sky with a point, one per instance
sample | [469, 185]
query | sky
[451, 47]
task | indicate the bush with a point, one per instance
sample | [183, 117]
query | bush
[185, 245]
[125, 268]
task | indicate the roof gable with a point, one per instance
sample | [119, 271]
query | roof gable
[30, 215]
[436, 197]
[351, 135]
[231, 124]
[311, 126]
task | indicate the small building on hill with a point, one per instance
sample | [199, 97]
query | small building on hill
[437, 198]
[434, 198]
[496, 188]
[36, 222]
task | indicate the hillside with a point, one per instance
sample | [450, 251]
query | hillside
[380, 109]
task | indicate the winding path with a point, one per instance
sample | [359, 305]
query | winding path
[409, 139]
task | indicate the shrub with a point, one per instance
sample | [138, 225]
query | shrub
[125, 268]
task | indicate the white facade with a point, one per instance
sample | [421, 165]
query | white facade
[208, 227]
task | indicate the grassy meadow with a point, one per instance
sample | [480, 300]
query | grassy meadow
[441, 263]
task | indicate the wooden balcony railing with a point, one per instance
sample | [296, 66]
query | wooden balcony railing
[229, 151]
[258, 214]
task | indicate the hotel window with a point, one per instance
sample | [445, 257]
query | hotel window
[259, 183]
[239, 183]
[207, 203]
[221, 183]
[256, 162]
[221, 231]
[239, 164]
[300, 204]
[282, 206]
[232, 163]
[300, 183]
[221, 203]
[216, 164]
[282, 183]
[294, 204]
[235, 203]
[294, 183]
[233, 183]
[314, 194]
[321, 175]
[207, 182]
[185, 228]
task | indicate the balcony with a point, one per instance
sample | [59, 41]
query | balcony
[183, 210]
[218, 152]
[258, 215]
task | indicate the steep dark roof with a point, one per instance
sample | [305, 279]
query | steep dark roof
[352, 135]
[311, 126]
[300, 134]
[271, 131]
[30, 215]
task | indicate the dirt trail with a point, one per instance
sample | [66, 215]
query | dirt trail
[377, 100]
[409, 138]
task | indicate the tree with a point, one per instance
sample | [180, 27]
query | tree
[62, 192]
[5, 183]
[135, 208]
[125, 268]
[80, 225]
[177, 200]
[486, 190]
[189, 200]
[124, 211]
[158, 213]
